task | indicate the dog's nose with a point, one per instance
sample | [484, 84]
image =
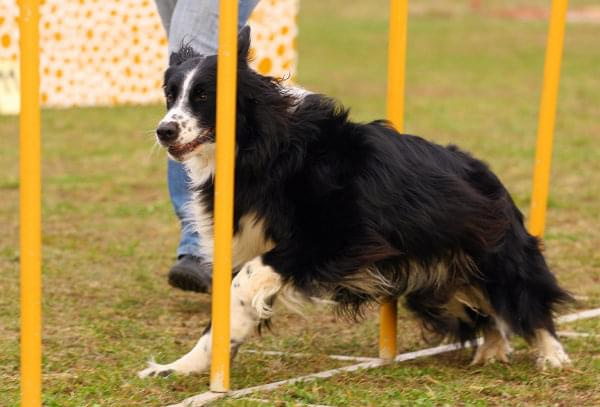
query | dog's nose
[167, 132]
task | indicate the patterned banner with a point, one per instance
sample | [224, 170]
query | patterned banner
[114, 52]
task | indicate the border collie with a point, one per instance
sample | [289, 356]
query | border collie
[355, 214]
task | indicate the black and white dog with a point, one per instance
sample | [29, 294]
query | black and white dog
[355, 213]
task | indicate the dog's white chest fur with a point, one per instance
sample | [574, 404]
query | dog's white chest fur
[250, 239]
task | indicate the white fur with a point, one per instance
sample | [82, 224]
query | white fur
[252, 293]
[195, 361]
[200, 168]
[550, 351]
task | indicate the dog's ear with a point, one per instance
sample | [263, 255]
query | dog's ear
[185, 52]
[244, 43]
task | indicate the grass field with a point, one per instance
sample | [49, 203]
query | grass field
[110, 235]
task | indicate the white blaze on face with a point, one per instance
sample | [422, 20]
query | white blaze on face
[182, 114]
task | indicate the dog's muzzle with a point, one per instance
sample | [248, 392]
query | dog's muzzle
[168, 136]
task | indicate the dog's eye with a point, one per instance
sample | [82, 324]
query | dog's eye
[170, 98]
[200, 97]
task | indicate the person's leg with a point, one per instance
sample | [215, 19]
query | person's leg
[194, 22]
[178, 181]
[189, 272]
[197, 22]
[177, 178]
[165, 11]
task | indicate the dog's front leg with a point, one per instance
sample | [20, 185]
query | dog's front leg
[253, 291]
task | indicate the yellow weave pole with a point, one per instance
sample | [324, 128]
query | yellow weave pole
[396, 62]
[547, 116]
[388, 313]
[30, 207]
[224, 182]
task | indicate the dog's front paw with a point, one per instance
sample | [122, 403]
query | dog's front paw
[155, 369]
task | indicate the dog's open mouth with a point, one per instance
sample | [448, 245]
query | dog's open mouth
[183, 149]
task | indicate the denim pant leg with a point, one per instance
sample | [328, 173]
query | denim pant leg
[194, 22]
[180, 195]
[165, 11]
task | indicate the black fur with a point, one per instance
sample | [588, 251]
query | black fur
[339, 197]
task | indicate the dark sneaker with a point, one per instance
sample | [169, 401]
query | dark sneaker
[191, 273]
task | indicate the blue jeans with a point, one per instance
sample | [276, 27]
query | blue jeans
[194, 22]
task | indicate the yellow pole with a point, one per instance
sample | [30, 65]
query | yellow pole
[224, 182]
[547, 115]
[395, 114]
[388, 316]
[30, 207]
[396, 62]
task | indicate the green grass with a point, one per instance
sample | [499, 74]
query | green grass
[109, 232]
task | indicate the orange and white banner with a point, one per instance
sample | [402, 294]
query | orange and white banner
[113, 52]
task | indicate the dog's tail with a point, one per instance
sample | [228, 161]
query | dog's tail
[521, 288]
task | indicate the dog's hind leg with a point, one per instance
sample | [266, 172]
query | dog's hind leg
[253, 291]
[524, 293]
[550, 351]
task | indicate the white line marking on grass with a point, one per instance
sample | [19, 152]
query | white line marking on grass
[571, 334]
[207, 397]
[270, 402]
[306, 355]
[590, 313]
[204, 398]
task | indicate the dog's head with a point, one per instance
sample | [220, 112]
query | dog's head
[190, 86]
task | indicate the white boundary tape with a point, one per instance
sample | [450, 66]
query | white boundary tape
[590, 313]
[207, 397]
[569, 334]
[305, 355]
[270, 402]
